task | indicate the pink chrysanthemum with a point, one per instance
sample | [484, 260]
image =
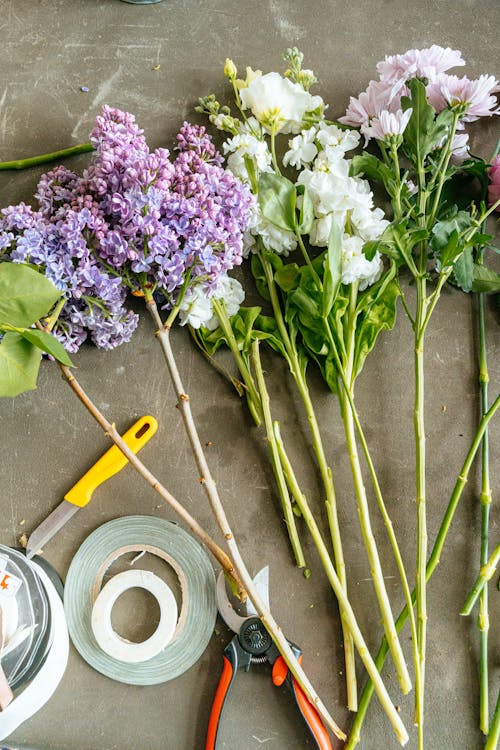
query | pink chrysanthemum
[494, 186]
[387, 124]
[476, 95]
[428, 63]
[370, 103]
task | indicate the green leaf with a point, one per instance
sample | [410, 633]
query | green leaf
[277, 199]
[329, 373]
[301, 299]
[333, 269]
[424, 130]
[287, 277]
[252, 176]
[463, 270]
[259, 277]
[373, 169]
[19, 365]
[370, 249]
[25, 294]
[48, 344]
[446, 239]
[485, 279]
[381, 315]
[306, 215]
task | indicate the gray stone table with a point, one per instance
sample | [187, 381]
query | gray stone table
[155, 61]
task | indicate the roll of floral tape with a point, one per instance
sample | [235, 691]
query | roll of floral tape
[109, 640]
[196, 620]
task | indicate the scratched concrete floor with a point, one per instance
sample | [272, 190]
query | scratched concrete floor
[155, 61]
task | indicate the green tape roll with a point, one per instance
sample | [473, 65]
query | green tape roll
[198, 611]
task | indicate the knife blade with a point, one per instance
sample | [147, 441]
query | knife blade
[80, 494]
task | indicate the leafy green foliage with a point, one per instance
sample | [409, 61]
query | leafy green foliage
[25, 297]
[485, 279]
[25, 294]
[19, 365]
[377, 312]
[373, 169]
[424, 130]
[448, 237]
[333, 269]
[278, 199]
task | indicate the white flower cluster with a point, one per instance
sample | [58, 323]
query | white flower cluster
[338, 197]
[318, 153]
[247, 143]
[274, 239]
[197, 310]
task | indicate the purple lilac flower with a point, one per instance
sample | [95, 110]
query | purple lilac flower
[135, 219]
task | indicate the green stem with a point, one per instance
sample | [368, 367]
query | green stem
[277, 467]
[494, 733]
[324, 469]
[486, 574]
[397, 193]
[362, 502]
[341, 596]
[442, 169]
[307, 259]
[273, 151]
[419, 427]
[432, 564]
[34, 161]
[253, 398]
[483, 623]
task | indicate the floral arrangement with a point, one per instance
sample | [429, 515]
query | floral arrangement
[330, 266]
[330, 306]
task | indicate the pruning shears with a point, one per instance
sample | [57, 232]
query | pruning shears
[253, 644]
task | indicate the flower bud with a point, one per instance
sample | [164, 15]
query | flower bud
[230, 70]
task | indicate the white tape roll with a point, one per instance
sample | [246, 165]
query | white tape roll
[109, 640]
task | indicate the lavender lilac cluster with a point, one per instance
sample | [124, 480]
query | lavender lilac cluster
[135, 220]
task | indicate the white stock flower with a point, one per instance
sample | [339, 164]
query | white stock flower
[302, 149]
[355, 265]
[335, 191]
[275, 239]
[368, 224]
[335, 141]
[197, 310]
[246, 144]
[278, 102]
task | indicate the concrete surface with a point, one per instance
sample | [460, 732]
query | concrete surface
[49, 50]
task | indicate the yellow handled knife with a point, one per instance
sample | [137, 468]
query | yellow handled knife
[78, 496]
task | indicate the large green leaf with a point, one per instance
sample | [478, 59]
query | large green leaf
[373, 169]
[277, 199]
[288, 277]
[485, 279]
[19, 365]
[379, 316]
[463, 270]
[424, 130]
[306, 215]
[25, 294]
[333, 269]
[447, 237]
[47, 343]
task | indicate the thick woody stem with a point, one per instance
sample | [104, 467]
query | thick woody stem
[184, 405]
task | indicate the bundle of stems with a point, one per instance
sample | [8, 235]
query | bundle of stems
[234, 567]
